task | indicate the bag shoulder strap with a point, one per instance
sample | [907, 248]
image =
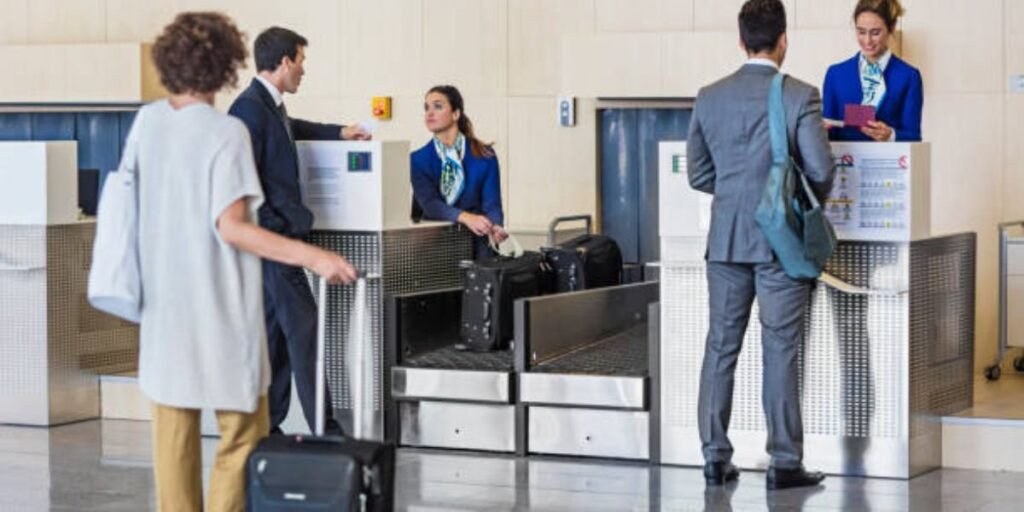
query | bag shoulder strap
[130, 155]
[780, 135]
[777, 121]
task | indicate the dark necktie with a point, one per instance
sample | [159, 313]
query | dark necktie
[284, 118]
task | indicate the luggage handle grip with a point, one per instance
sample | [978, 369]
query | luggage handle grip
[517, 249]
[568, 218]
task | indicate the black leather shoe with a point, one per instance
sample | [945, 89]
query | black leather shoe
[779, 478]
[718, 473]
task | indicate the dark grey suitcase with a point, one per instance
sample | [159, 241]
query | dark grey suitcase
[320, 473]
[583, 262]
[491, 286]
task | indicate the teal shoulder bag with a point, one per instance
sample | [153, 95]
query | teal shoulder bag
[788, 213]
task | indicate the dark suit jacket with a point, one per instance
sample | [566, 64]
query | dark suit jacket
[900, 108]
[277, 160]
[481, 195]
[729, 155]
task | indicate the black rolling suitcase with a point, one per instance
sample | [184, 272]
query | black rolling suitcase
[491, 286]
[318, 473]
[584, 262]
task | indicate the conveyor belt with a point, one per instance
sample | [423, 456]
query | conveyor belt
[624, 354]
[450, 358]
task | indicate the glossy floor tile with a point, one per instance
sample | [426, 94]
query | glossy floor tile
[1000, 399]
[106, 466]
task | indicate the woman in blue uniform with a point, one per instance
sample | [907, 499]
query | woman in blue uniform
[877, 78]
[455, 176]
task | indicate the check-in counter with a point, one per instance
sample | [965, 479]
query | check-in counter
[52, 343]
[889, 334]
[360, 195]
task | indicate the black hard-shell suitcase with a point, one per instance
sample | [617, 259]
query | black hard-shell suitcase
[491, 286]
[318, 473]
[584, 262]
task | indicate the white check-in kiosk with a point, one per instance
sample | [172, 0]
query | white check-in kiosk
[888, 343]
[52, 343]
[360, 195]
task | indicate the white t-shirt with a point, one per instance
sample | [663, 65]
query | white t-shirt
[202, 334]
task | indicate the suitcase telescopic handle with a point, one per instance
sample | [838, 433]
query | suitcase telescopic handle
[553, 226]
[321, 322]
[355, 354]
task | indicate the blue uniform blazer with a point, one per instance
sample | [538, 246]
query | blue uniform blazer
[481, 195]
[900, 108]
[277, 160]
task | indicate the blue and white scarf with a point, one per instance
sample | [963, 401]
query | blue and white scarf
[453, 175]
[872, 79]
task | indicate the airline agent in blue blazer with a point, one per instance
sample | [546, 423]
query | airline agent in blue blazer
[878, 78]
[289, 309]
[455, 176]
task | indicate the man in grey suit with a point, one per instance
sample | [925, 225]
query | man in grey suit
[729, 156]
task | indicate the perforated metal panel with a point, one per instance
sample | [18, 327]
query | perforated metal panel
[408, 260]
[942, 329]
[23, 356]
[857, 358]
[52, 343]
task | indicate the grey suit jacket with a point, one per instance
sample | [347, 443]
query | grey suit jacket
[729, 155]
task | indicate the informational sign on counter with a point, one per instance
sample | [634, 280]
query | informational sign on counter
[880, 192]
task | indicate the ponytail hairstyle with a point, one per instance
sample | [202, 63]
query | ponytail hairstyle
[889, 10]
[476, 146]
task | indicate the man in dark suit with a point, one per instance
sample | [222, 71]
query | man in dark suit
[729, 155]
[290, 310]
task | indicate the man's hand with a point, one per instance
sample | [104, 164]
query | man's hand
[355, 132]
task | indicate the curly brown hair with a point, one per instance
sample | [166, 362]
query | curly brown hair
[199, 52]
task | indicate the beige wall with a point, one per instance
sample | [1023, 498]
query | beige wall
[512, 57]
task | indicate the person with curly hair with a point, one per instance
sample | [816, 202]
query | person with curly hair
[202, 338]
[290, 309]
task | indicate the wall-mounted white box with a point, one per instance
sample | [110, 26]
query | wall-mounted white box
[40, 183]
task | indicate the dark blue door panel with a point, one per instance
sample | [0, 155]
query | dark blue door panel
[99, 140]
[53, 126]
[629, 175]
[15, 127]
[619, 185]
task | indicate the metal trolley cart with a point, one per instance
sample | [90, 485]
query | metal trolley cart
[1011, 295]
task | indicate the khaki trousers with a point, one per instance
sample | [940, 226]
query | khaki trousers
[177, 458]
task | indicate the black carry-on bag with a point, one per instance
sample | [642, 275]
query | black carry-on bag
[491, 286]
[318, 473]
[584, 262]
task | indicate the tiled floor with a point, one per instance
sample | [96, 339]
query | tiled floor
[105, 465]
[1001, 399]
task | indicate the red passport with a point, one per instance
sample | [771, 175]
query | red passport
[857, 116]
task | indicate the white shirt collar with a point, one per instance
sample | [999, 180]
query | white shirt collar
[274, 93]
[763, 62]
[883, 61]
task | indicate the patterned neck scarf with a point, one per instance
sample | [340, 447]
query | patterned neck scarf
[872, 79]
[453, 176]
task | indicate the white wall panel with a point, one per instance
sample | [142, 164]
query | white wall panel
[643, 15]
[535, 30]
